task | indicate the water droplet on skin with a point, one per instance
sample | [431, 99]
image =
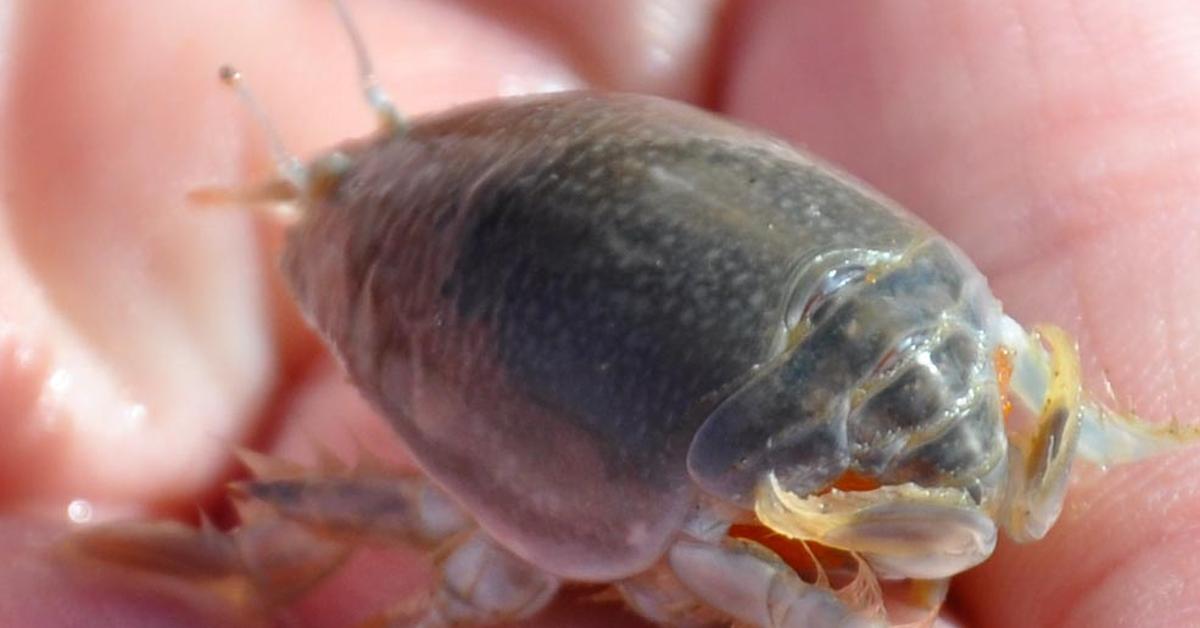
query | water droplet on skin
[59, 382]
[54, 389]
[134, 416]
[79, 511]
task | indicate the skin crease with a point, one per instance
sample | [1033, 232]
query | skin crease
[1054, 142]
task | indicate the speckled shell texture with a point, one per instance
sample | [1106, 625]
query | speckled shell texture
[583, 312]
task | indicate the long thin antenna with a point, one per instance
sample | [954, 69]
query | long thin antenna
[377, 99]
[290, 167]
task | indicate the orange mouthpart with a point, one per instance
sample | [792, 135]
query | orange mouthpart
[1002, 358]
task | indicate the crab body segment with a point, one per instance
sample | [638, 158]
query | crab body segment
[611, 327]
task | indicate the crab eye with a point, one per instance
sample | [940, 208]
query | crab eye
[813, 309]
[823, 282]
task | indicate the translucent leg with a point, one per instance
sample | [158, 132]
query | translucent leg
[366, 503]
[752, 585]
[1046, 379]
[658, 595]
[904, 531]
[479, 583]
[297, 526]
[1039, 461]
[1108, 437]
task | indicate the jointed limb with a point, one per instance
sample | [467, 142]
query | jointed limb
[1047, 381]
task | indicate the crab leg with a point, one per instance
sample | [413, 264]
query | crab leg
[752, 585]
[1109, 437]
[381, 506]
[296, 526]
[1046, 380]
[658, 595]
[904, 531]
[257, 567]
[1039, 459]
[478, 583]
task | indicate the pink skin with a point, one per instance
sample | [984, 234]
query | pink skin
[1055, 142]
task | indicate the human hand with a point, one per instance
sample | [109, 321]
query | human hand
[1053, 145]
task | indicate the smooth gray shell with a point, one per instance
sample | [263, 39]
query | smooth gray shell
[548, 297]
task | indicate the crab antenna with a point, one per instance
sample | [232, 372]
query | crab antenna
[290, 167]
[377, 99]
